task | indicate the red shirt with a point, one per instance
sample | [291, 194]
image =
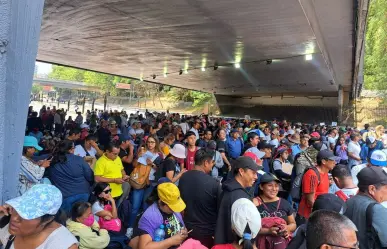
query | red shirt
[310, 185]
[190, 160]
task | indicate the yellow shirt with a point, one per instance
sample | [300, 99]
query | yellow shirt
[108, 168]
[165, 150]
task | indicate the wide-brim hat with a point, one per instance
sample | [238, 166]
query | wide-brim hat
[178, 151]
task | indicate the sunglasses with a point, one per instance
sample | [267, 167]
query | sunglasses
[150, 142]
[107, 191]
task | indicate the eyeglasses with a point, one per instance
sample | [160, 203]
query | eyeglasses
[150, 142]
[345, 247]
[107, 191]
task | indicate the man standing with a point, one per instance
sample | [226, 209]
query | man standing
[202, 203]
[103, 134]
[191, 150]
[245, 174]
[202, 143]
[267, 149]
[234, 144]
[315, 182]
[365, 210]
[345, 188]
[195, 128]
[328, 230]
[109, 169]
[126, 153]
[378, 158]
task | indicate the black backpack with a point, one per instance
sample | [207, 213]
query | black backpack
[296, 189]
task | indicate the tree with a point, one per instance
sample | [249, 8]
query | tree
[375, 63]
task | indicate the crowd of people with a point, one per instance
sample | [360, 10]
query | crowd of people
[164, 180]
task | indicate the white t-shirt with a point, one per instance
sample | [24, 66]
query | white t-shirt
[184, 127]
[139, 131]
[354, 148]
[60, 238]
[80, 151]
[355, 170]
[274, 142]
[331, 140]
[96, 208]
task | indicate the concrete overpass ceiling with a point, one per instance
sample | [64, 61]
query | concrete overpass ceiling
[146, 37]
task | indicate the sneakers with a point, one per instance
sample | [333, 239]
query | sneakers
[129, 232]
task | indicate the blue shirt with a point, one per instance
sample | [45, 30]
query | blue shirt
[235, 147]
[296, 149]
[72, 177]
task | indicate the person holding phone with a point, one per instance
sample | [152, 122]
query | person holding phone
[31, 172]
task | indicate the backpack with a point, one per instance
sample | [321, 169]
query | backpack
[371, 235]
[139, 178]
[124, 211]
[268, 241]
[296, 189]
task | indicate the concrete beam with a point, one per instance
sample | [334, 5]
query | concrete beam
[20, 22]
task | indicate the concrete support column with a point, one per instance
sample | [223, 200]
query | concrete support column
[340, 100]
[20, 22]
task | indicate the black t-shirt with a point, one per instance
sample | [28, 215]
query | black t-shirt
[169, 165]
[221, 146]
[127, 166]
[269, 209]
[200, 193]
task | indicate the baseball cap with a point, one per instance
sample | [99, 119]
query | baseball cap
[170, 195]
[243, 213]
[233, 131]
[378, 158]
[211, 145]
[268, 177]
[326, 154]
[329, 202]
[264, 145]
[30, 141]
[245, 162]
[370, 140]
[371, 176]
[39, 200]
[315, 134]
[254, 156]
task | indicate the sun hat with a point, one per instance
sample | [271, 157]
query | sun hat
[84, 126]
[247, 129]
[378, 158]
[295, 138]
[170, 195]
[30, 141]
[290, 132]
[178, 151]
[243, 213]
[39, 200]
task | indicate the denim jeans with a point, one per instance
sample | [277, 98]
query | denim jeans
[69, 201]
[138, 199]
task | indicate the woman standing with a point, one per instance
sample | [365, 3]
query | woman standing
[71, 174]
[165, 146]
[341, 150]
[138, 196]
[31, 172]
[271, 206]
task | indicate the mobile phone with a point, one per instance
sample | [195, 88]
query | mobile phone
[4, 220]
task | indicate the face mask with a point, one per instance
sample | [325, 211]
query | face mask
[89, 220]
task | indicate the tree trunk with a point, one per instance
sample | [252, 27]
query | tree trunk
[83, 104]
[92, 105]
[105, 102]
[68, 105]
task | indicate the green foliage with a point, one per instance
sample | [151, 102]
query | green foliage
[375, 66]
[36, 88]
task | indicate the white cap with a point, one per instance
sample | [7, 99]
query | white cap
[178, 151]
[371, 139]
[378, 158]
[290, 132]
[243, 213]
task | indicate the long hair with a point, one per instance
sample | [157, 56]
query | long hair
[97, 190]
[157, 147]
[61, 151]
[247, 240]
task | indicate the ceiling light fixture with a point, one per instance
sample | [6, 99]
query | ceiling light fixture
[154, 76]
[237, 65]
[308, 57]
[181, 72]
[216, 66]
[165, 75]
[268, 62]
[203, 69]
[185, 71]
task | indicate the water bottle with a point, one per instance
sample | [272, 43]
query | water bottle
[159, 234]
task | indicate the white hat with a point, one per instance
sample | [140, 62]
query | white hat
[378, 158]
[178, 151]
[83, 126]
[243, 213]
[290, 132]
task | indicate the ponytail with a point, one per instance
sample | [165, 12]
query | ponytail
[247, 241]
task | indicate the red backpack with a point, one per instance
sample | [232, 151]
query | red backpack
[269, 241]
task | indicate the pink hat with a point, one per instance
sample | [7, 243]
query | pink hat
[192, 244]
[315, 134]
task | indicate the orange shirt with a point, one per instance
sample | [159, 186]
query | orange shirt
[310, 185]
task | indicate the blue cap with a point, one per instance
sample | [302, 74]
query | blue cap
[30, 141]
[39, 200]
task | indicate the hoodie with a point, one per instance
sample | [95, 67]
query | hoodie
[232, 191]
[89, 237]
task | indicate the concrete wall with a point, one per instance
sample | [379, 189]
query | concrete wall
[19, 35]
